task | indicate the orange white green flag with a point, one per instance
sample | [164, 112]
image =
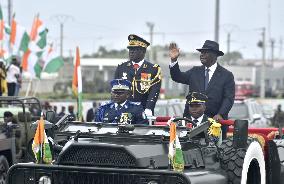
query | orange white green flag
[19, 38]
[4, 36]
[77, 83]
[49, 61]
[175, 151]
[40, 145]
[35, 48]
[2, 31]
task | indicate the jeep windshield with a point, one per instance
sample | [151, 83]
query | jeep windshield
[103, 128]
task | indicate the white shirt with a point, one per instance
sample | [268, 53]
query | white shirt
[211, 70]
[116, 104]
[199, 119]
[12, 71]
[139, 63]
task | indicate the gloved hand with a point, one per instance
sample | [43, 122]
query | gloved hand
[148, 112]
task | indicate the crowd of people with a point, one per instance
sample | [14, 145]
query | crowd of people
[10, 77]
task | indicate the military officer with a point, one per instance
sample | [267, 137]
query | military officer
[197, 107]
[144, 76]
[120, 109]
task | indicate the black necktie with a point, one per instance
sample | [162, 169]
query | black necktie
[118, 106]
[195, 121]
[206, 78]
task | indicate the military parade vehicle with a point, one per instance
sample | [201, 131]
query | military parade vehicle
[138, 154]
[15, 137]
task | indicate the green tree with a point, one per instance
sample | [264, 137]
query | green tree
[231, 58]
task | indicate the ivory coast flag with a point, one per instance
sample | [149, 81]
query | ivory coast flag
[40, 144]
[77, 83]
[175, 151]
[2, 51]
[48, 61]
[36, 44]
[19, 38]
[4, 36]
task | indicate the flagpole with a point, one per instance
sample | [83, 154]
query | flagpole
[29, 87]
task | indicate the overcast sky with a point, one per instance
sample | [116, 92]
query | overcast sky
[188, 22]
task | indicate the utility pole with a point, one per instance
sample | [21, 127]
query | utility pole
[10, 10]
[280, 48]
[151, 32]
[62, 19]
[217, 13]
[272, 41]
[228, 42]
[262, 80]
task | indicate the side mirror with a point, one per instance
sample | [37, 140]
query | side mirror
[50, 116]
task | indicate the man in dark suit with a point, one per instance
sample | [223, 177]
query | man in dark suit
[91, 113]
[144, 76]
[211, 79]
[119, 109]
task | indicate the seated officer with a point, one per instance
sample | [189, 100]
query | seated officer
[197, 107]
[120, 109]
[9, 118]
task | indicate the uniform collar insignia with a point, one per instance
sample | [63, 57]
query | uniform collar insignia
[124, 75]
[144, 66]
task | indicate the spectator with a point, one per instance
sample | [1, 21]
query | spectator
[71, 111]
[278, 119]
[3, 83]
[13, 73]
[62, 112]
[19, 82]
[91, 113]
[55, 109]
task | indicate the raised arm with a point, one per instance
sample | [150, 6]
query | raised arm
[176, 74]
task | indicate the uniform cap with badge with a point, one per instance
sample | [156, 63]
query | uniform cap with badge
[136, 41]
[196, 98]
[120, 85]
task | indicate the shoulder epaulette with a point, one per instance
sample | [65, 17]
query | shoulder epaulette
[123, 62]
[156, 65]
[105, 103]
[135, 103]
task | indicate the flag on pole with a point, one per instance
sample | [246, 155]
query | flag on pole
[36, 44]
[175, 151]
[40, 144]
[48, 61]
[19, 38]
[4, 33]
[77, 83]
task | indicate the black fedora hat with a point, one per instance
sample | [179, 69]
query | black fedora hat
[211, 45]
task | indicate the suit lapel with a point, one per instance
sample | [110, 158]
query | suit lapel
[215, 77]
[201, 78]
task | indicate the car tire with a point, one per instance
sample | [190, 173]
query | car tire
[4, 167]
[243, 165]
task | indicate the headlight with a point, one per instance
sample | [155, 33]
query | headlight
[44, 180]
